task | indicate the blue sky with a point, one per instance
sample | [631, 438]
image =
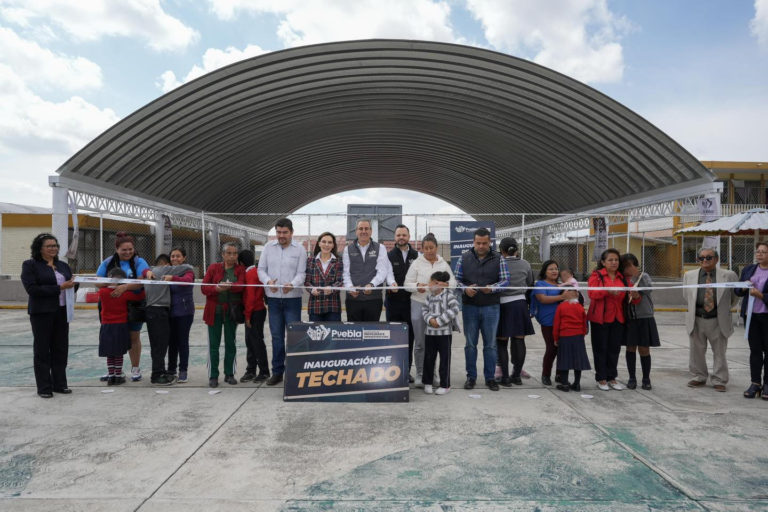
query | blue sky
[68, 70]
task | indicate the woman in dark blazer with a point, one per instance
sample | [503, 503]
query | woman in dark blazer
[757, 274]
[46, 280]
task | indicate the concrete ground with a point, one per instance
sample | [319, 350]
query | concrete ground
[525, 448]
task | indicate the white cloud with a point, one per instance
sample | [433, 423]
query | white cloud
[41, 68]
[93, 19]
[213, 58]
[320, 21]
[759, 24]
[579, 38]
[731, 130]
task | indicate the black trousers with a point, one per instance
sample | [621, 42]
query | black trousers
[434, 346]
[400, 311]
[50, 332]
[159, 330]
[254, 342]
[364, 310]
[606, 349]
[758, 347]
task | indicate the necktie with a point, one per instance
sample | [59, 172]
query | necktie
[709, 296]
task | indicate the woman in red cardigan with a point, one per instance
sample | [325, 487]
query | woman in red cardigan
[222, 287]
[606, 315]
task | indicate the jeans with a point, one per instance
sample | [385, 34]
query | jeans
[325, 317]
[281, 313]
[159, 330]
[485, 320]
[178, 348]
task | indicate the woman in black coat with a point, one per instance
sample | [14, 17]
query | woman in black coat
[46, 280]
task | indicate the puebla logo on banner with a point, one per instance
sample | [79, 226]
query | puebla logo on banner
[346, 362]
[462, 236]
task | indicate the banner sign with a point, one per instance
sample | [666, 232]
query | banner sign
[600, 226]
[167, 235]
[709, 209]
[462, 236]
[346, 362]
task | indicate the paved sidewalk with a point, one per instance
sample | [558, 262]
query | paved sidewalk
[672, 448]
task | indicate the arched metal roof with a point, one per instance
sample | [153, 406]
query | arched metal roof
[482, 130]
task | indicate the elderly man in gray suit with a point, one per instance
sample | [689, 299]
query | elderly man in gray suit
[709, 319]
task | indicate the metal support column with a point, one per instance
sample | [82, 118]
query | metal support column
[61, 218]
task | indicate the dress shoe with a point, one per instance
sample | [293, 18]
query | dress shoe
[248, 377]
[696, 384]
[546, 381]
[469, 384]
[507, 383]
[274, 380]
[517, 381]
[631, 384]
[45, 395]
[575, 387]
[492, 385]
[63, 391]
[564, 387]
[720, 388]
[214, 383]
[230, 379]
[647, 385]
[261, 377]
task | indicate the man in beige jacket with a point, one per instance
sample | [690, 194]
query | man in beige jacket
[709, 319]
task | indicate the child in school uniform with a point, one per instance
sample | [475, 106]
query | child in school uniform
[569, 330]
[440, 311]
[114, 338]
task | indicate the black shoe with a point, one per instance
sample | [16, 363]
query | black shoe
[163, 380]
[564, 387]
[230, 379]
[647, 385]
[546, 381]
[45, 395]
[557, 378]
[632, 384]
[410, 379]
[111, 380]
[214, 383]
[492, 385]
[248, 377]
[63, 391]
[506, 383]
[119, 380]
[469, 384]
[261, 377]
[517, 381]
[274, 380]
[575, 387]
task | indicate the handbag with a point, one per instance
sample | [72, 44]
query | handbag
[137, 311]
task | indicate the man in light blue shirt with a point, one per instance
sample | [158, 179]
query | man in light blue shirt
[283, 266]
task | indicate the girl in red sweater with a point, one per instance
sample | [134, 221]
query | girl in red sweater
[569, 330]
[114, 338]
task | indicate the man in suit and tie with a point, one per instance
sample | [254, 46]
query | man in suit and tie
[709, 319]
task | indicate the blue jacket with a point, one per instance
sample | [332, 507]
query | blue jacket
[40, 282]
[746, 275]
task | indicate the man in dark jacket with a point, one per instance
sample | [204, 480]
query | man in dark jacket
[398, 302]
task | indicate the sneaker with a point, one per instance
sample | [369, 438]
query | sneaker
[274, 380]
[248, 377]
[492, 385]
[604, 387]
[419, 382]
[135, 374]
[615, 385]
[428, 389]
[469, 384]
[230, 379]
[261, 377]
[183, 377]
[442, 391]
[631, 384]
[524, 374]
[163, 380]
[214, 383]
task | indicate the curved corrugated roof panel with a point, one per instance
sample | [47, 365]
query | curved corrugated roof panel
[484, 131]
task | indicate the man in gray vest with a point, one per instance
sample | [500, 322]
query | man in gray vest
[366, 265]
[480, 273]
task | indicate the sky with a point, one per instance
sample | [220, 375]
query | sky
[698, 69]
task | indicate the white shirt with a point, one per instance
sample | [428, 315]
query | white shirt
[383, 267]
[288, 265]
[325, 264]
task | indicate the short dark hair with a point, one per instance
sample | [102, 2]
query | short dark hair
[543, 271]
[605, 254]
[162, 258]
[629, 257]
[403, 226]
[246, 258]
[508, 245]
[117, 272]
[482, 232]
[37, 245]
[284, 223]
[440, 277]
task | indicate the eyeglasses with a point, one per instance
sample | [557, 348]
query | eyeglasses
[49, 246]
[761, 252]
[707, 258]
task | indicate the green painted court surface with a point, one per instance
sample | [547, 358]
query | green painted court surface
[672, 448]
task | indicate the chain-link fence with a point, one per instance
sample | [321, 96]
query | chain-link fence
[663, 253]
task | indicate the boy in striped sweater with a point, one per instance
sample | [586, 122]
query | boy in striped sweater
[440, 311]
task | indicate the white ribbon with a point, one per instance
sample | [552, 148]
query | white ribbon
[750, 307]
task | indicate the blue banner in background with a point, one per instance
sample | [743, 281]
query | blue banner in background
[462, 237]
